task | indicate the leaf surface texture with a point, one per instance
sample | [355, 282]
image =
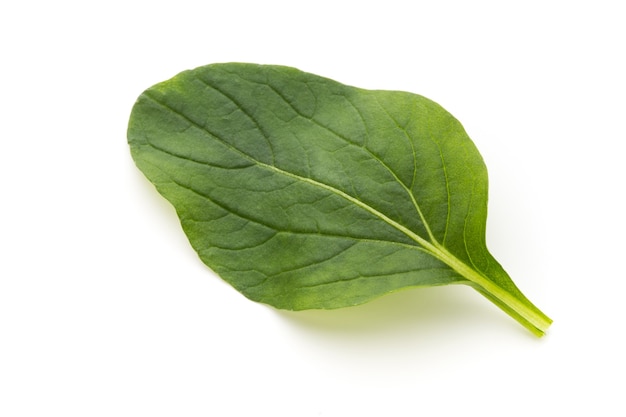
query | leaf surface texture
[303, 192]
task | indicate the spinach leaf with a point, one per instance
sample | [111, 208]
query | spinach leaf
[304, 193]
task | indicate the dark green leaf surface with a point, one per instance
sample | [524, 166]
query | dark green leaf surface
[303, 193]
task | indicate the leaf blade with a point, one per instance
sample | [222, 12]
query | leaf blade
[309, 180]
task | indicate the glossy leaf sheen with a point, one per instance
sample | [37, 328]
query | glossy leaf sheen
[304, 193]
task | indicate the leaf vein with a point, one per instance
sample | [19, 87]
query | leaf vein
[248, 114]
[412, 235]
[369, 276]
[367, 150]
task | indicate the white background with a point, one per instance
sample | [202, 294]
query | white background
[105, 310]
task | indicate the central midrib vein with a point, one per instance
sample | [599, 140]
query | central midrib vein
[415, 237]
[408, 232]
[434, 248]
[423, 242]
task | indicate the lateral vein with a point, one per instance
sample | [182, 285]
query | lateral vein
[368, 151]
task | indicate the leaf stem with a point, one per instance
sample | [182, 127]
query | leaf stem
[521, 310]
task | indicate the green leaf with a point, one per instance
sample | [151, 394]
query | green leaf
[304, 193]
